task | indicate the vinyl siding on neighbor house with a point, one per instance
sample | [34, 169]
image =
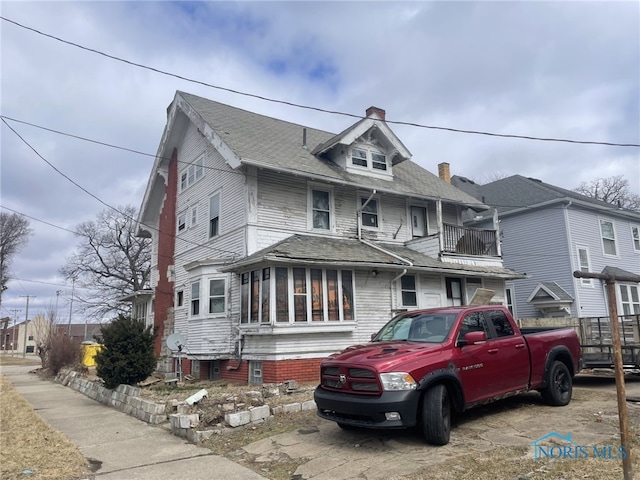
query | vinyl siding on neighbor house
[536, 243]
[585, 232]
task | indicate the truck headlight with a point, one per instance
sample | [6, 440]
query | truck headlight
[398, 381]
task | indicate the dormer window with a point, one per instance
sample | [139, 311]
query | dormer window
[359, 157]
[378, 161]
[370, 157]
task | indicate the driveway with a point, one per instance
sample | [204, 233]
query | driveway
[330, 453]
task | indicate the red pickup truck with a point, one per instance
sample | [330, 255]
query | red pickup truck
[424, 366]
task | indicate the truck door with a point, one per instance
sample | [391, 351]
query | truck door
[476, 366]
[511, 351]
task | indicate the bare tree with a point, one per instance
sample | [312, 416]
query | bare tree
[44, 328]
[14, 234]
[614, 190]
[110, 262]
[494, 176]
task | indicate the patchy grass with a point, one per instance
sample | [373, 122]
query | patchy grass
[6, 359]
[517, 463]
[29, 443]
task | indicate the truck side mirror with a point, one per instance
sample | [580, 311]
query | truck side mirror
[373, 335]
[473, 338]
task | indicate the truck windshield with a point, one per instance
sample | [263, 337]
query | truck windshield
[429, 328]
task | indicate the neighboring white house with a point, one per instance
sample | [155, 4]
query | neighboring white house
[275, 244]
[548, 233]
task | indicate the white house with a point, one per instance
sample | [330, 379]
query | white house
[276, 244]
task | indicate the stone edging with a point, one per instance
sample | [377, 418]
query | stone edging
[124, 398]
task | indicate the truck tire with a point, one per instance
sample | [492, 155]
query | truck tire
[436, 415]
[559, 385]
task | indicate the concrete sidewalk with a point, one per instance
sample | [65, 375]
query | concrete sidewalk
[120, 446]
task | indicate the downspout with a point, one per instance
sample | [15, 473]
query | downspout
[576, 281]
[376, 247]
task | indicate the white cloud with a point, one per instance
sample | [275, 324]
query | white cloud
[552, 69]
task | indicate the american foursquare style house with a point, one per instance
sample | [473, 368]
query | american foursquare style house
[277, 244]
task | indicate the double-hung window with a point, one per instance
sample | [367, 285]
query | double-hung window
[635, 238]
[214, 215]
[195, 299]
[584, 264]
[359, 157]
[378, 161]
[409, 291]
[608, 234]
[217, 303]
[182, 221]
[369, 212]
[320, 209]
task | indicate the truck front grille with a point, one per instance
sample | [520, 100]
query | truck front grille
[350, 380]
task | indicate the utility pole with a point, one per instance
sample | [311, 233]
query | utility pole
[73, 287]
[623, 417]
[26, 322]
[58, 292]
[13, 330]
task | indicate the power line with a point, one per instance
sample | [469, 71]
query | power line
[103, 202]
[118, 147]
[317, 109]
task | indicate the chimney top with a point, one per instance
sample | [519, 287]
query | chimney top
[443, 172]
[380, 112]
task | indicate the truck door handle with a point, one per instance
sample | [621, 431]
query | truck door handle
[493, 350]
[519, 346]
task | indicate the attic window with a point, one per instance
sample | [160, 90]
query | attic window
[359, 157]
[378, 161]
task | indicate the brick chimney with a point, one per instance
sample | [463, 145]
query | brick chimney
[443, 172]
[380, 112]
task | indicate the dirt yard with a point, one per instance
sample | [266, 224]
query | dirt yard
[493, 441]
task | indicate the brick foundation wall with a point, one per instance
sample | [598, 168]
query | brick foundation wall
[302, 370]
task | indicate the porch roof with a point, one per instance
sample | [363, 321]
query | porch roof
[352, 253]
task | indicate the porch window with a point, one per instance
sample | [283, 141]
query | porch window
[301, 295]
[454, 291]
[509, 297]
[608, 237]
[409, 292]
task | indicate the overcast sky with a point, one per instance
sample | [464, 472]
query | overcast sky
[545, 69]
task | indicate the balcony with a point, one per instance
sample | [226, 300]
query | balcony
[469, 241]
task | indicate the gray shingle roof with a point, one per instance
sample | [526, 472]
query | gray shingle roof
[558, 291]
[349, 253]
[517, 192]
[277, 144]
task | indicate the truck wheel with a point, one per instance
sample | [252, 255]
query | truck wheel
[559, 385]
[436, 415]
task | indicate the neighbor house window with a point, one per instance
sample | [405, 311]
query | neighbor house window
[179, 298]
[214, 215]
[635, 237]
[630, 299]
[194, 216]
[509, 300]
[320, 209]
[301, 295]
[409, 292]
[192, 174]
[369, 213]
[217, 296]
[584, 264]
[608, 237]
[195, 299]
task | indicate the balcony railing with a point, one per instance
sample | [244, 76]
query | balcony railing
[468, 241]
